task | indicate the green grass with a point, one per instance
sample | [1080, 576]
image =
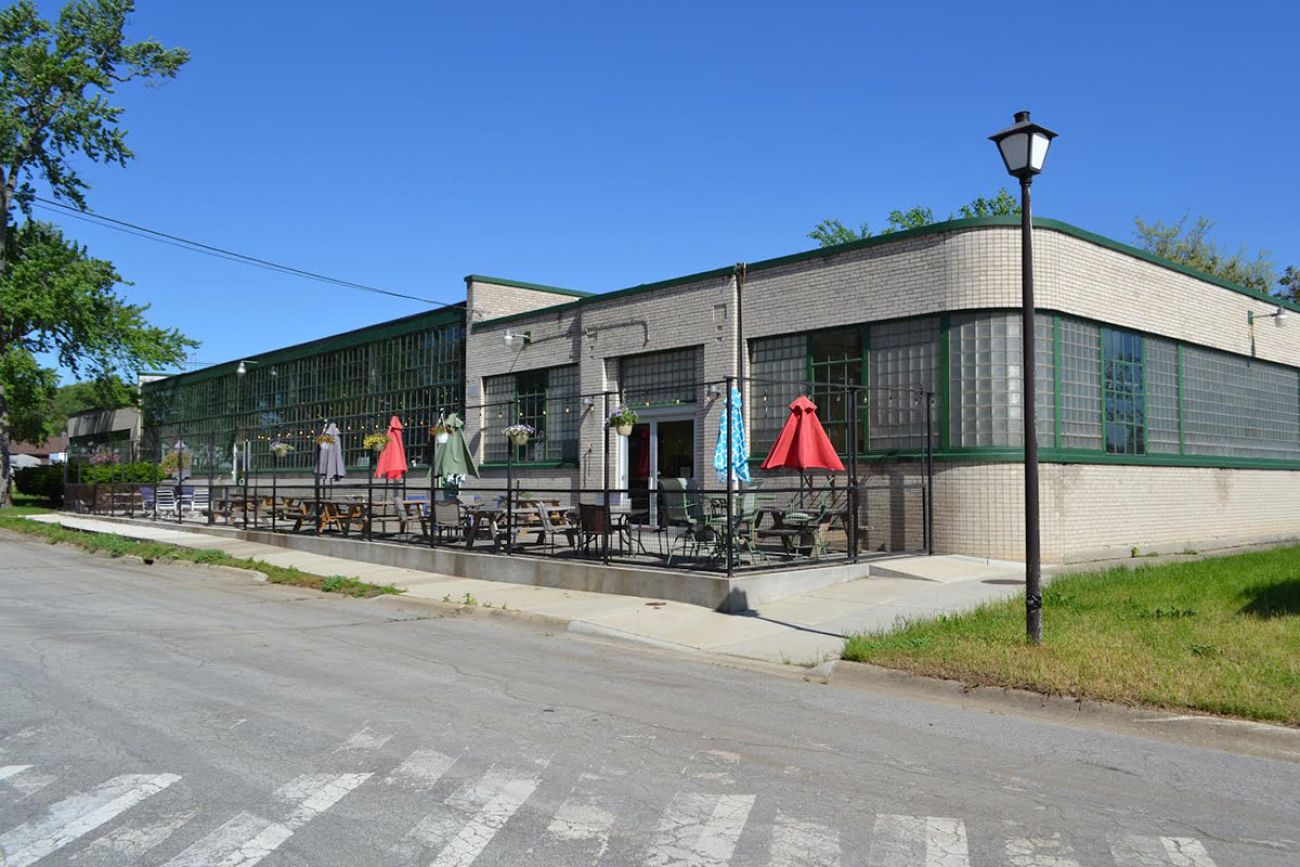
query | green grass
[120, 546]
[1219, 635]
[25, 504]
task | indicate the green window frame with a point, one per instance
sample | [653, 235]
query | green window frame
[836, 360]
[545, 399]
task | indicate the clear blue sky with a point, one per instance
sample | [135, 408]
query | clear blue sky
[600, 145]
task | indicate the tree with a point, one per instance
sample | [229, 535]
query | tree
[56, 83]
[107, 393]
[1191, 245]
[829, 233]
[1289, 284]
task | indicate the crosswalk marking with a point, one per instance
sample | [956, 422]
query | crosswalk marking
[421, 769]
[1161, 852]
[369, 737]
[22, 780]
[699, 830]
[127, 843]
[247, 839]
[1049, 851]
[582, 818]
[468, 819]
[803, 844]
[929, 840]
[77, 815]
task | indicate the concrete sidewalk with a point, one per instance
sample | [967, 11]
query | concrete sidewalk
[804, 629]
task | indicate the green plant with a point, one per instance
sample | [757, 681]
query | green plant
[623, 416]
[470, 600]
[375, 442]
[44, 482]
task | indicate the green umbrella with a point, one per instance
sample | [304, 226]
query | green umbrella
[452, 458]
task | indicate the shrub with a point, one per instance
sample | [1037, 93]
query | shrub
[44, 482]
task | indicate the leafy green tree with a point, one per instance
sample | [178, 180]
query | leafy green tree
[57, 80]
[1289, 284]
[829, 233]
[1190, 244]
[110, 392]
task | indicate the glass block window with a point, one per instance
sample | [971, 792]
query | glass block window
[1080, 378]
[985, 380]
[1123, 392]
[902, 366]
[661, 378]
[835, 361]
[547, 400]
[1162, 395]
[1239, 407]
[778, 373]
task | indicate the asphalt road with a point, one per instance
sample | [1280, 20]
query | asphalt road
[173, 716]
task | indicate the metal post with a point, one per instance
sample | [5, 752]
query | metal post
[180, 476]
[854, 412]
[510, 493]
[212, 503]
[315, 477]
[1033, 554]
[433, 479]
[929, 473]
[731, 475]
[609, 515]
[275, 487]
[370, 494]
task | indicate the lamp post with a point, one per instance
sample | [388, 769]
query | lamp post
[1023, 146]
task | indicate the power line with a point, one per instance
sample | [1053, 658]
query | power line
[220, 252]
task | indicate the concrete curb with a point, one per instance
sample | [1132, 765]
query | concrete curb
[481, 612]
[1224, 733]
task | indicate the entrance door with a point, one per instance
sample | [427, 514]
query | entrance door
[658, 448]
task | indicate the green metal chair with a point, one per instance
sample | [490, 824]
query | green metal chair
[677, 510]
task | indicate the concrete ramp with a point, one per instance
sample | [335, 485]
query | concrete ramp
[949, 569]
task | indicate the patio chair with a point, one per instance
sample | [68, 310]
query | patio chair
[682, 508]
[450, 520]
[165, 501]
[200, 501]
[593, 525]
[555, 524]
[146, 498]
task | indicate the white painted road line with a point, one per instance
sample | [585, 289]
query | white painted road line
[421, 769]
[22, 780]
[1161, 852]
[929, 840]
[467, 820]
[369, 737]
[1039, 852]
[699, 830]
[77, 815]
[247, 839]
[803, 844]
[8, 771]
[127, 843]
[583, 818]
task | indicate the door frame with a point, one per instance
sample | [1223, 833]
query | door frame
[653, 416]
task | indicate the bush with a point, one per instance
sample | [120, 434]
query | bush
[43, 482]
[139, 473]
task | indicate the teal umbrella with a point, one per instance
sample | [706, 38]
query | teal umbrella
[452, 458]
[739, 444]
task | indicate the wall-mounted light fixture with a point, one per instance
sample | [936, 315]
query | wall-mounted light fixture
[714, 389]
[1281, 317]
[588, 402]
[523, 338]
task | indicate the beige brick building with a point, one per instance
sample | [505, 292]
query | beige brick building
[1168, 419]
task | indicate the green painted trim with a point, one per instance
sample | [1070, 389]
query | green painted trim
[529, 465]
[1078, 456]
[520, 284]
[333, 343]
[897, 237]
[1056, 381]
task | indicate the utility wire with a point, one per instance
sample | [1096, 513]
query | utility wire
[219, 252]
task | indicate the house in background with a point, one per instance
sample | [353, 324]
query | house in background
[52, 451]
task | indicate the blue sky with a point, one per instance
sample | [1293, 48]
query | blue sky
[599, 145]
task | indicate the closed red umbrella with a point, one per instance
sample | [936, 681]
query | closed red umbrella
[392, 460]
[803, 444]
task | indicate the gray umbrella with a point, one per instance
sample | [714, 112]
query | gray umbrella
[329, 462]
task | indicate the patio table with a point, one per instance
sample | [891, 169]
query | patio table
[493, 519]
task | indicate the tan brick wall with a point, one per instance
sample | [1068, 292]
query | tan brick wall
[1087, 509]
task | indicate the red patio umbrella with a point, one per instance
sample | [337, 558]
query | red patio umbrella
[803, 444]
[392, 460]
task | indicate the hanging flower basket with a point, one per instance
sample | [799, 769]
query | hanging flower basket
[324, 441]
[621, 421]
[519, 433]
[441, 434]
[375, 442]
[281, 449]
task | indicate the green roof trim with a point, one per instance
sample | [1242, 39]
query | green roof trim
[520, 284]
[445, 315]
[959, 225]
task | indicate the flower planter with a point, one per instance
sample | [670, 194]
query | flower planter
[519, 439]
[442, 438]
[623, 430]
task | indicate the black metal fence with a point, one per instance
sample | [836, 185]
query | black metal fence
[881, 503]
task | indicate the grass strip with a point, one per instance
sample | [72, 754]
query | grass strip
[120, 546]
[1219, 635]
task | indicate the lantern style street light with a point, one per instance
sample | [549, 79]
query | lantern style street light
[1023, 147]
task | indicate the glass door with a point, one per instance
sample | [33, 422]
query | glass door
[658, 448]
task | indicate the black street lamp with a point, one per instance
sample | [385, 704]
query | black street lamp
[1023, 146]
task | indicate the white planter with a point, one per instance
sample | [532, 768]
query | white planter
[623, 430]
[519, 439]
[442, 439]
